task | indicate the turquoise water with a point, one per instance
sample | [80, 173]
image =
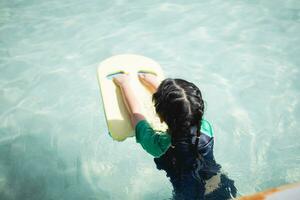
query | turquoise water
[244, 55]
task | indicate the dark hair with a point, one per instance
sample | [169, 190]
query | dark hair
[179, 103]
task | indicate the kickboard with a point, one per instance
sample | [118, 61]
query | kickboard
[116, 114]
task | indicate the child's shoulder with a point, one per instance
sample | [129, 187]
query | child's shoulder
[206, 128]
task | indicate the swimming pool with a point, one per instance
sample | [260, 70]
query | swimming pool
[244, 55]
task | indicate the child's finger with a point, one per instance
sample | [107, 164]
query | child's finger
[142, 76]
[115, 80]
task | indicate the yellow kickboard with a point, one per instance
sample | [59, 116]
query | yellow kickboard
[116, 114]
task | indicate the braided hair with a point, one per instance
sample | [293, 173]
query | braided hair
[179, 103]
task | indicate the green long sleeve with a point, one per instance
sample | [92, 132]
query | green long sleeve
[154, 143]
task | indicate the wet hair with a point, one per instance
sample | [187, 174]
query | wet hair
[179, 103]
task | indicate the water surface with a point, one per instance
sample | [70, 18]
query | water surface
[244, 55]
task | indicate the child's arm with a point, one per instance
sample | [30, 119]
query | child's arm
[153, 143]
[130, 99]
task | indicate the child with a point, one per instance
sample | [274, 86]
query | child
[185, 151]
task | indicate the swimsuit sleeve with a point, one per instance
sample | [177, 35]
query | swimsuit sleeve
[206, 128]
[154, 143]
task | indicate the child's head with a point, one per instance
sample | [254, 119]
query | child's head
[179, 103]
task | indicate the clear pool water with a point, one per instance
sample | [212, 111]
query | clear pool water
[244, 55]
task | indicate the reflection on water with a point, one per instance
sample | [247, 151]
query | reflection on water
[244, 55]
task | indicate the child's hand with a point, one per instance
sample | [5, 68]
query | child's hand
[149, 80]
[121, 80]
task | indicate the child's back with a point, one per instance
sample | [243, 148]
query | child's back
[194, 173]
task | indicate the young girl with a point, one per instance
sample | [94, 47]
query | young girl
[185, 151]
